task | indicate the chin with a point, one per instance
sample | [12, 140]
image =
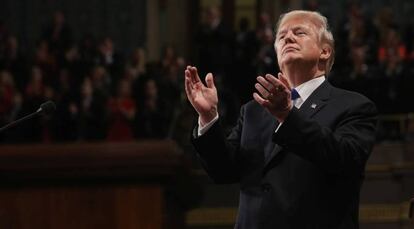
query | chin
[290, 59]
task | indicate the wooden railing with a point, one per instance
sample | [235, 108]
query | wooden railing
[123, 185]
[91, 185]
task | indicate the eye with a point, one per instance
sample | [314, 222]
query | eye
[300, 32]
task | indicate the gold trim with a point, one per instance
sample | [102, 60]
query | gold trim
[371, 168]
[369, 213]
[375, 168]
[211, 217]
[384, 213]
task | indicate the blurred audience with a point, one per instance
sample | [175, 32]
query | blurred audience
[121, 113]
[58, 34]
[93, 112]
[150, 120]
[215, 43]
[104, 95]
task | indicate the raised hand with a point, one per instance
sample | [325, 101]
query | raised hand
[274, 95]
[203, 98]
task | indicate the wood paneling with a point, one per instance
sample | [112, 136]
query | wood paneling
[107, 185]
[126, 206]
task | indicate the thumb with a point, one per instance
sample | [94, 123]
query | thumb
[210, 80]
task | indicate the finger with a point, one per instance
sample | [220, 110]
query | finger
[284, 80]
[188, 87]
[279, 75]
[265, 83]
[188, 70]
[279, 86]
[210, 81]
[194, 75]
[258, 98]
[187, 74]
[263, 92]
[261, 100]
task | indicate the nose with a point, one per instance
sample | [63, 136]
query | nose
[289, 37]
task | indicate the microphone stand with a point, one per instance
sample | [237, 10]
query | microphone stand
[45, 108]
[20, 120]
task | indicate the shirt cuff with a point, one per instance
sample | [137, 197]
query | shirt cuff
[278, 126]
[203, 129]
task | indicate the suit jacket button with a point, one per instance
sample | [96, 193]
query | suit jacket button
[266, 187]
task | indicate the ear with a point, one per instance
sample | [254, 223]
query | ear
[326, 52]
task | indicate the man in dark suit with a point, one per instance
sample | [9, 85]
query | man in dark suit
[299, 148]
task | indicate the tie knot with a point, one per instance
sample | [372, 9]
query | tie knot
[294, 94]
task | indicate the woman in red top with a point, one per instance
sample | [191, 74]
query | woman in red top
[121, 113]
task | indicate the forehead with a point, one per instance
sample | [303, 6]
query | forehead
[296, 21]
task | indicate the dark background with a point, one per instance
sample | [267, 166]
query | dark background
[115, 71]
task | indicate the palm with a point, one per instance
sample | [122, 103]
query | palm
[202, 98]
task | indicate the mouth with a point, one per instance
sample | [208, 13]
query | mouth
[289, 49]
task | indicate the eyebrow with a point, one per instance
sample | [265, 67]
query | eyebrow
[297, 27]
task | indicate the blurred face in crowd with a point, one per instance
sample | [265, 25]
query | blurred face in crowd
[297, 41]
[42, 51]
[12, 43]
[151, 90]
[136, 56]
[6, 78]
[87, 89]
[72, 53]
[58, 18]
[124, 89]
[37, 75]
[268, 36]
[264, 19]
[212, 16]
[98, 74]
[169, 52]
[106, 46]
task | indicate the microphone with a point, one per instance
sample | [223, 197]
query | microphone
[45, 109]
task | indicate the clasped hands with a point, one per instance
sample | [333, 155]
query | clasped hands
[272, 93]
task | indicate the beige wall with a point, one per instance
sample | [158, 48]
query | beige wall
[177, 28]
[153, 31]
[166, 25]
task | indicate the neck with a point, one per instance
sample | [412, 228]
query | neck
[297, 75]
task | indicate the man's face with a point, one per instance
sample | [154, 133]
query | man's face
[297, 42]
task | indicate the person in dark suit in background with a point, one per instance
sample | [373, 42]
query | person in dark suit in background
[299, 148]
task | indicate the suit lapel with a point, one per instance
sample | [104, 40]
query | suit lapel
[315, 102]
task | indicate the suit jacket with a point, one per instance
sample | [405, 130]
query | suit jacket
[306, 175]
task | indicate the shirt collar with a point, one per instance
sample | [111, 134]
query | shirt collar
[306, 89]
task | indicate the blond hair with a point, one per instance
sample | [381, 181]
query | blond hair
[321, 22]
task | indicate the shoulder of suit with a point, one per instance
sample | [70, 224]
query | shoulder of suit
[347, 95]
